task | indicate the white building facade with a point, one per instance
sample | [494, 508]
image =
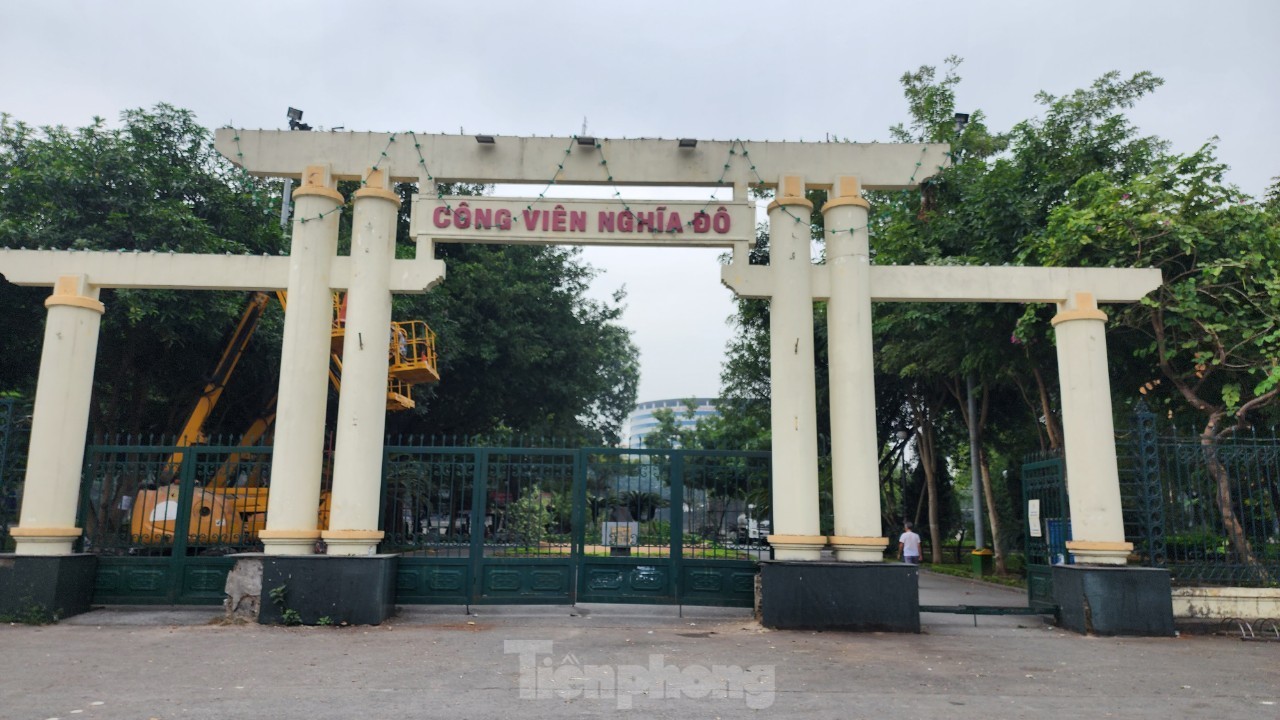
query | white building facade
[641, 421]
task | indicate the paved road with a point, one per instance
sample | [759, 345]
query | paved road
[641, 661]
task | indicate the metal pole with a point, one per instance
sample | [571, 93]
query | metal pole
[902, 475]
[295, 123]
[978, 540]
[284, 205]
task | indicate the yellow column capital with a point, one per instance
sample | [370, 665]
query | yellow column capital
[75, 290]
[790, 193]
[846, 191]
[1082, 306]
[318, 180]
[377, 185]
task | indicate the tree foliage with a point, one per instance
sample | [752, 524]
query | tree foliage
[152, 184]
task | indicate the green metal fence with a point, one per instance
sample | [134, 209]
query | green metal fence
[1208, 510]
[163, 518]
[562, 525]
[15, 428]
[472, 524]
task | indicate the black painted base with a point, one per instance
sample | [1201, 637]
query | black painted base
[329, 590]
[1102, 600]
[840, 596]
[38, 588]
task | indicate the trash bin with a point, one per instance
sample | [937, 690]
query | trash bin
[1059, 532]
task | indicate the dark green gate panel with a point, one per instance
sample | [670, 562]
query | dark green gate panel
[203, 580]
[1044, 482]
[527, 505]
[619, 580]
[132, 580]
[726, 583]
[528, 582]
[1040, 587]
[161, 581]
[441, 581]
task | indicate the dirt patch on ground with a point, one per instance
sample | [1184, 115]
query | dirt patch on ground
[464, 627]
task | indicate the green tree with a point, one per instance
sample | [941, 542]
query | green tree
[528, 518]
[1213, 328]
[670, 433]
[997, 193]
[152, 184]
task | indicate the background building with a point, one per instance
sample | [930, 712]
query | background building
[641, 421]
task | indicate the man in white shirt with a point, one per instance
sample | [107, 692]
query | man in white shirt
[909, 546]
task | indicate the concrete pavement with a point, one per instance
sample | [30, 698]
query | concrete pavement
[644, 661]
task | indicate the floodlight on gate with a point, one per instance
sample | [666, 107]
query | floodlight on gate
[687, 143]
[485, 139]
[586, 140]
[295, 120]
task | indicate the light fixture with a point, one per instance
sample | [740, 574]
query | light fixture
[687, 143]
[962, 119]
[485, 139]
[586, 140]
[295, 120]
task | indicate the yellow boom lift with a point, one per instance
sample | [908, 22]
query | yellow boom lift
[232, 507]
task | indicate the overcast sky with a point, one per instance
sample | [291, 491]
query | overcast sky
[722, 70]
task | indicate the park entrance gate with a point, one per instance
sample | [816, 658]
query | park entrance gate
[472, 525]
[559, 525]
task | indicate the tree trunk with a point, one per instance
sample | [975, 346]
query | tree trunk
[1226, 508]
[984, 468]
[926, 448]
[993, 518]
[1046, 410]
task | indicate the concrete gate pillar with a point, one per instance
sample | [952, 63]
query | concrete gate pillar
[855, 472]
[298, 458]
[793, 403]
[47, 523]
[1093, 478]
[1098, 594]
[362, 403]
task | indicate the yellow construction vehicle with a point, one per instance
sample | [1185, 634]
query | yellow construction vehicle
[231, 507]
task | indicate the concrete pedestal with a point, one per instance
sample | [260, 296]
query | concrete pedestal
[840, 596]
[1105, 600]
[354, 590]
[46, 586]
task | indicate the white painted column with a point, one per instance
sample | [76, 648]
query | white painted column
[298, 457]
[855, 472]
[55, 456]
[1093, 477]
[362, 403]
[793, 405]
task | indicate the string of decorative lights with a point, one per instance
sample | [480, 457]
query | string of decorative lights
[617, 193]
[734, 146]
[910, 181]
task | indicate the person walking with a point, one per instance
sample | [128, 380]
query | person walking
[909, 546]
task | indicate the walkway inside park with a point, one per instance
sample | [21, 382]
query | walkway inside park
[646, 661]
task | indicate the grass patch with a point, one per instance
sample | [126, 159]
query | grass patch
[32, 614]
[966, 571]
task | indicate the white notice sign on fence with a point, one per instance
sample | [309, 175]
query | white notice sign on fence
[1033, 517]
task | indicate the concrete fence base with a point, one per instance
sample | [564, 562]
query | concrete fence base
[1220, 603]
